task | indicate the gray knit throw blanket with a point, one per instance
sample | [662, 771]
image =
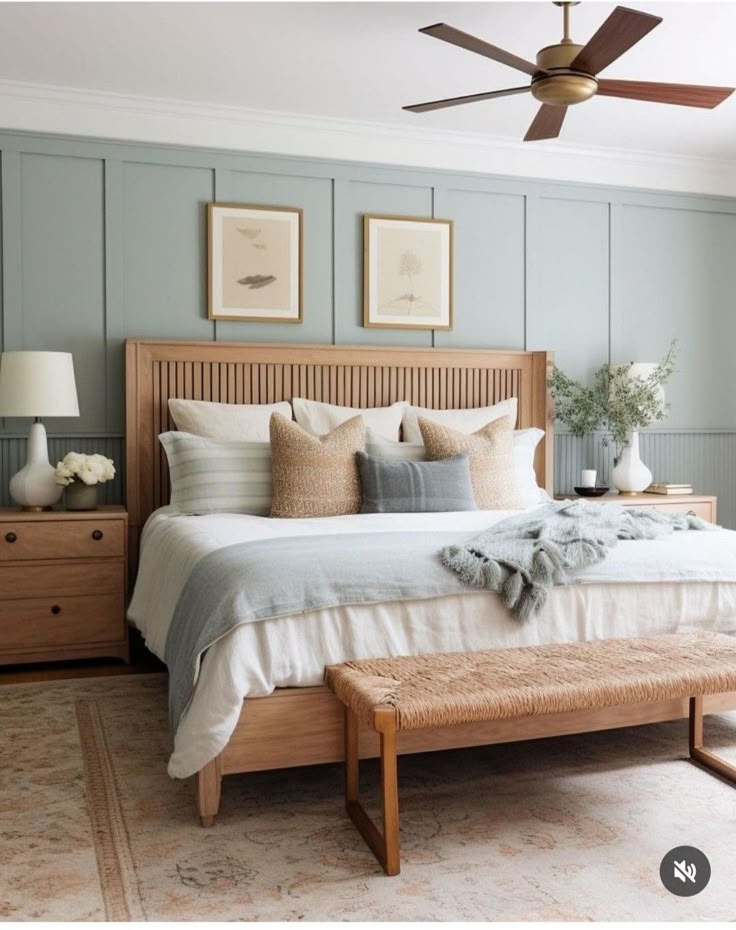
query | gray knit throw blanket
[523, 556]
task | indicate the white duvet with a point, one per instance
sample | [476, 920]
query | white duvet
[683, 582]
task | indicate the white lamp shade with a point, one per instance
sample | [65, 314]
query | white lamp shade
[37, 384]
[641, 371]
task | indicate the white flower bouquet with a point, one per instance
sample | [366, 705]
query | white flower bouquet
[89, 469]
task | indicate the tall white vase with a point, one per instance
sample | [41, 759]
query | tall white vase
[631, 475]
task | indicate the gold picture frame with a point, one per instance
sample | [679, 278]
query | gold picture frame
[419, 250]
[255, 267]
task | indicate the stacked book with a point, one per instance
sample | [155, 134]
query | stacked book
[662, 488]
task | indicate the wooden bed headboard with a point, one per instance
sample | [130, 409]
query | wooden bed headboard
[348, 375]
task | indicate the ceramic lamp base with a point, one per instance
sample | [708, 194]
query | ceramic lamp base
[34, 487]
[631, 475]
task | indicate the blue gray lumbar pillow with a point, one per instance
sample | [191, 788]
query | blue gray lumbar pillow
[395, 486]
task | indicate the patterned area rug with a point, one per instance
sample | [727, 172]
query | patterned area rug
[92, 828]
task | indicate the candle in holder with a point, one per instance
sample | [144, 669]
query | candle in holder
[587, 478]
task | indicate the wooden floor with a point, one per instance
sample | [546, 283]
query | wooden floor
[141, 662]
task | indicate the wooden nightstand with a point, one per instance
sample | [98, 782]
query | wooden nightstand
[702, 505]
[62, 585]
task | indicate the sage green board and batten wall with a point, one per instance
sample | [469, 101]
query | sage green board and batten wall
[104, 240]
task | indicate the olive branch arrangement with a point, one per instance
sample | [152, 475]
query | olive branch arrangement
[615, 401]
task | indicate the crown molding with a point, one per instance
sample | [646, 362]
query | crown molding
[71, 111]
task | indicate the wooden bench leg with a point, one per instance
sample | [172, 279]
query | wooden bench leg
[384, 847]
[209, 782]
[702, 756]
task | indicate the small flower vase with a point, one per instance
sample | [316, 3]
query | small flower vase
[631, 475]
[80, 496]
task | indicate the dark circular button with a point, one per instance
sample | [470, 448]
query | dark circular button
[685, 871]
[97, 534]
[10, 537]
[56, 609]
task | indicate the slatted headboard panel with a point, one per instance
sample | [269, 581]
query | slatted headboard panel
[351, 376]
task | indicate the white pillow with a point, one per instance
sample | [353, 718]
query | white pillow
[525, 444]
[242, 422]
[464, 421]
[390, 449]
[318, 418]
[213, 476]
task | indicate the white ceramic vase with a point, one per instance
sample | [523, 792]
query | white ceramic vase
[34, 487]
[631, 475]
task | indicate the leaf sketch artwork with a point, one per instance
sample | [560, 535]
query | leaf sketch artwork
[255, 264]
[408, 277]
[255, 257]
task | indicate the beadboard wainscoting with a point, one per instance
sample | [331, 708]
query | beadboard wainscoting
[704, 458]
[103, 241]
[13, 457]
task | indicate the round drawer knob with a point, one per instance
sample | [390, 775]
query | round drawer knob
[56, 609]
[10, 537]
[97, 534]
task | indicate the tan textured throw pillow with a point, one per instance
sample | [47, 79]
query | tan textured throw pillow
[491, 454]
[315, 476]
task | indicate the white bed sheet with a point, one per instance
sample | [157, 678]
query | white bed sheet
[683, 582]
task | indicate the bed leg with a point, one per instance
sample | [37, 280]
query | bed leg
[209, 781]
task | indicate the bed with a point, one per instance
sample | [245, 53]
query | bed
[288, 718]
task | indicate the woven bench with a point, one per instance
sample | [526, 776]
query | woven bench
[446, 690]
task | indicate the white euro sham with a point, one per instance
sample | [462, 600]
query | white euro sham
[464, 421]
[318, 418]
[241, 422]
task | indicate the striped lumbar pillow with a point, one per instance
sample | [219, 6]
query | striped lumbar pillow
[214, 476]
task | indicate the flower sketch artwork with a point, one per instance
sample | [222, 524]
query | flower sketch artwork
[255, 263]
[408, 273]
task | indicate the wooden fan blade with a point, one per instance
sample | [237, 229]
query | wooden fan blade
[470, 98]
[684, 95]
[546, 124]
[473, 44]
[619, 32]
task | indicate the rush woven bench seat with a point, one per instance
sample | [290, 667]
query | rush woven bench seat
[451, 689]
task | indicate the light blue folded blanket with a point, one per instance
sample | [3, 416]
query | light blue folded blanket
[253, 581]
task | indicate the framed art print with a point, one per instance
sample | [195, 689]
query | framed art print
[255, 263]
[407, 274]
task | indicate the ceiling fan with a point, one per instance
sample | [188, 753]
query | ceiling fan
[567, 73]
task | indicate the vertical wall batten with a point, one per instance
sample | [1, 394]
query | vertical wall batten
[11, 258]
[114, 294]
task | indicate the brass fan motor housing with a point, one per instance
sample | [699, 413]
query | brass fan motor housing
[558, 84]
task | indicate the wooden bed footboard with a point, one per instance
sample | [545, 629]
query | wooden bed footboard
[304, 726]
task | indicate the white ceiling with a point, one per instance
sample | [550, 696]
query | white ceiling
[362, 61]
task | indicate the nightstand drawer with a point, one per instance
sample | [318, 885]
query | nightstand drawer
[699, 508]
[61, 621]
[39, 580]
[69, 539]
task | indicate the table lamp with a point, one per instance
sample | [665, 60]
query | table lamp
[37, 384]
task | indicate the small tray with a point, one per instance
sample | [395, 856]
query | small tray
[591, 492]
